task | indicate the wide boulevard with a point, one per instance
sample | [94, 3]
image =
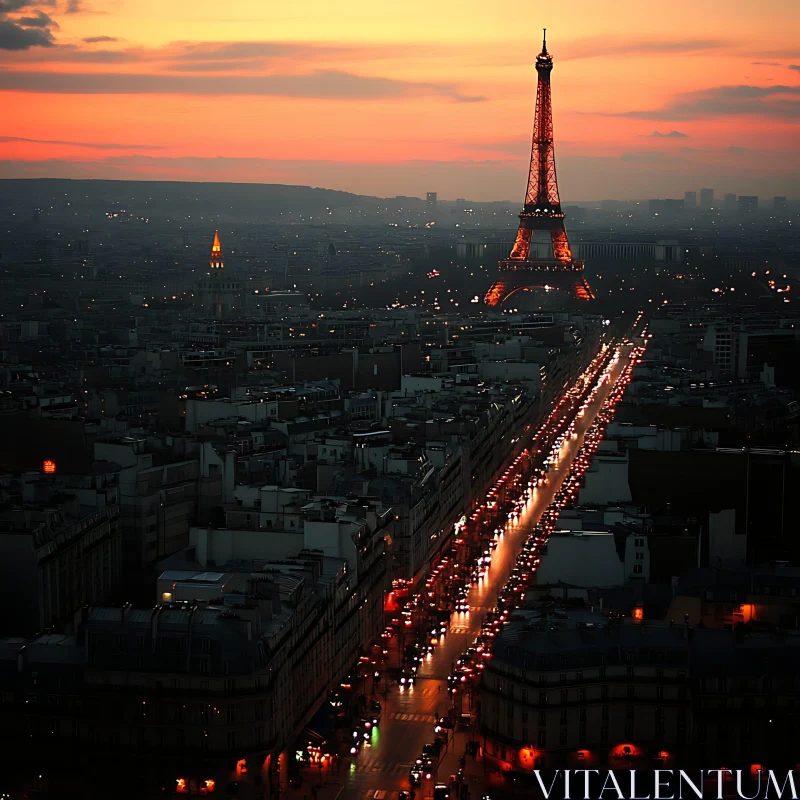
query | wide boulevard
[381, 770]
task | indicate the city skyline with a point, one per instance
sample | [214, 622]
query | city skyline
[441, 99]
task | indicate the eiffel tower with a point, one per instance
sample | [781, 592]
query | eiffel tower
[523, 270]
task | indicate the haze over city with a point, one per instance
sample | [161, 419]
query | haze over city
[399, 401]
[359, 97]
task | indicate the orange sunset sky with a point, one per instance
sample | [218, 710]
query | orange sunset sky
[650, 98]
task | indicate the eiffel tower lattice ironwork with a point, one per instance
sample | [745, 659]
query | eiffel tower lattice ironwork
[523, 269]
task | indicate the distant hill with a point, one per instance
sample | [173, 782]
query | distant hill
[243, 201]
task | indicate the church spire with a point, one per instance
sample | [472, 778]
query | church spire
[216, 253]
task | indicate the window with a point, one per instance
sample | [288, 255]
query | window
[604, 713]
[604, 732]
[563, 716]
[564, 696]
[640, 556]
[542, 698]
[637, 569]
[542, 738]
[638, 543]
[582, 695]
[562, 737]
[542, 719]
[231, 740]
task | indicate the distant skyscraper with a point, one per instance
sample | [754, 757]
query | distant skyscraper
[431, 200]
[665, 206]
[690, 200]
[730, 201]
[778, 203]
[748, 203]
[706, 198]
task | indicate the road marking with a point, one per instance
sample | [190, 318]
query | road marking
[375, 764]
[459, 631]
[412, 717]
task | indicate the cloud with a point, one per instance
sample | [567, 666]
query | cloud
[92, 145]
[41, 20]
[649, 156]
[669, 135]
[10, 6]
[766, 63]
[14, 36]
[321, 84]
[596, 46]
[794, 66]
[220, 51]
[260, 54]
[771, 101]
[211, 66]
[74, 7]
[73, 55]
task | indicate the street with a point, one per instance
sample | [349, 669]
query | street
[409, 714]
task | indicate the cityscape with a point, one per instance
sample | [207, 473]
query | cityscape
[314, 493]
